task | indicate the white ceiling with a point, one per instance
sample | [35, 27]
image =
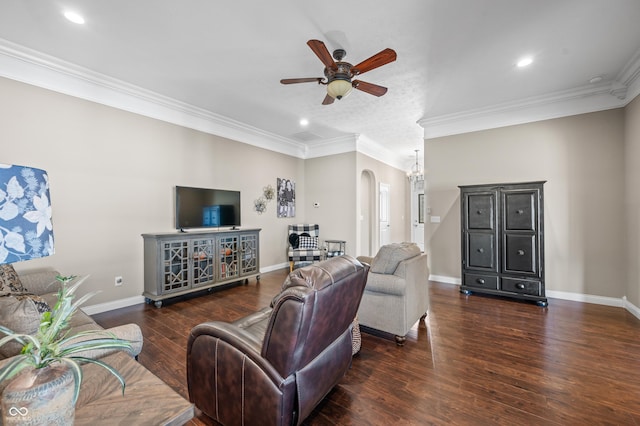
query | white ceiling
[216, 65]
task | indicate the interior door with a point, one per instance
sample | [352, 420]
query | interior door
[385, 220]
[368, 224]
[418, 213]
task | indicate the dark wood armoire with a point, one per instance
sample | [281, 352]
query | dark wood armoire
[502, 227]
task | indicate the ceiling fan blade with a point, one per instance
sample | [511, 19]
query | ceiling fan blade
[322, 52]
[372, 89]
[328, 100]
[300, 80]
[377, 60]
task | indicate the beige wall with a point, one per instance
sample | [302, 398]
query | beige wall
[112, 175]
[331, 184]
[582, 160]
[632, 199]
[335, 183]
[399, 200]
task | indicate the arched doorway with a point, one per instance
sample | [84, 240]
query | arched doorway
[368, 222]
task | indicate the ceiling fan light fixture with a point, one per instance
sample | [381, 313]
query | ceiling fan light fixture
[338, 75]
[339, 88]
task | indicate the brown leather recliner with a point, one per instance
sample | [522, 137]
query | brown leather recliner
[274, 366]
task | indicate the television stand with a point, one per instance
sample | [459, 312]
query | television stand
[176, 264]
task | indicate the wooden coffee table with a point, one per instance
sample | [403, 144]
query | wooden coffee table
[147, 399]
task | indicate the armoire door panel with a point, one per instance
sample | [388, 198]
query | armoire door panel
[481, 251]
[520, 211]
[520, 253]
[481, 213]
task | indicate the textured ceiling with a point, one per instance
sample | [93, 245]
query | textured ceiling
[456, 59]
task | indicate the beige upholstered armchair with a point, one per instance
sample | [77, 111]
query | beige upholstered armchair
[397, 293]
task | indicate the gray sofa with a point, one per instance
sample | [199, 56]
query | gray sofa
[21, 303]
[397, 292]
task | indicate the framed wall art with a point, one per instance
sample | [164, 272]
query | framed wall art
[286, 198]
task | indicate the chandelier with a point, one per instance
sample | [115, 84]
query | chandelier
[416, 173]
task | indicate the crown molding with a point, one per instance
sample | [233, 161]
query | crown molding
[631, 71]
[32, 67]
[559, 104]
[38, 69]
[355, 142]
[378, 152]
[630, 77]
[581, 100]
[332, 146]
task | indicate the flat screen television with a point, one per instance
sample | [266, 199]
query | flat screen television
[206, 208]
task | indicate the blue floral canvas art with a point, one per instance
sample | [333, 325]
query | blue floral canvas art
[26, 230]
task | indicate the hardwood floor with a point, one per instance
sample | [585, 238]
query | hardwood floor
[478, 360]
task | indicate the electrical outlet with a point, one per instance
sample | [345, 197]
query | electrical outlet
[118, 281]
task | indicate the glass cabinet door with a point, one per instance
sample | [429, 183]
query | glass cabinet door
[203, 261]
[249, 253]
[228, 256]
[175, 266]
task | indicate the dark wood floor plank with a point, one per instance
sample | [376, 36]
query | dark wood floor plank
[476, 360]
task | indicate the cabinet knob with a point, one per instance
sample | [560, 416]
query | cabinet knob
[519, 211]
[520, 252]
[480, 250]
[520, 286]
[479, 212]
[480, 281]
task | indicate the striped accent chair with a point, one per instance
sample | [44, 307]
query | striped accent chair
[303, 244]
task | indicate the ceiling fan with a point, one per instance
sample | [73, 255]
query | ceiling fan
[338, 75]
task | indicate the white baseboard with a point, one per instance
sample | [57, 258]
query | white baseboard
[564, 295]
[633, 309]
[110, 306]
[274, 267]
[135, 300]
[586, 298]
[444, 279]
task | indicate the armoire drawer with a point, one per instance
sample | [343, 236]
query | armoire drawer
[513, 285]
[481, 281]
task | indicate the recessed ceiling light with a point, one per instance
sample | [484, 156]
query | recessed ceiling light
[525, 62]
[74, 17]
[304, 122]
[596, 79]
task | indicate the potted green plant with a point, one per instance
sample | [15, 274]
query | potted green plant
[50, 358]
